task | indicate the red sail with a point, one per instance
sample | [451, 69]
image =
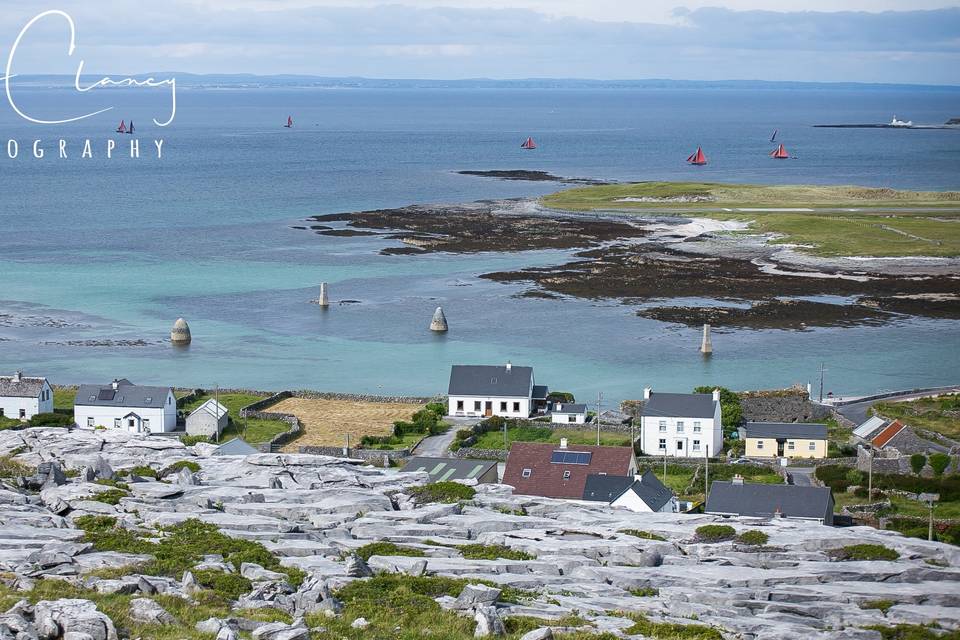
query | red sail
[780, 152]
[698, 157]
[529, 144]
[289, 121]
[122, 128]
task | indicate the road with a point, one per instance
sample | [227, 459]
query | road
[859, 411]
[438, 446]
[801, 476]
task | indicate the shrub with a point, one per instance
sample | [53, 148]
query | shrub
[917, 462]
[715, 533]
[10, 468]
[110, 496]
[109, 482]
[51, 420]
[913, 632]
[731, 413]
[445, 492]
[493, 552]
[177, 466]
[560, 396]
[463, 434]
[882, 605]
[646, 627]
[864, 552]
[105, 535]
[229, 585]
[437, 408]
[644, 592]
[387, 549]
[939, 463]
[192, 440]
[753, 537]
[646, 535]
[141, 470]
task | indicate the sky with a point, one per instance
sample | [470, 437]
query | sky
[897, 41]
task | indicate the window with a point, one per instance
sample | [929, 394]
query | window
[1, 412]
[679, 426]
[89, 422]
[663, 444]
[679, 445]
[23, 413]
[696, 445]
[759, 444]
[663, 425]
[146, 424]
[476, 406]
[131, 423]
[516, 407]
[526, 473]
[459, 405]
[503, 406]
[116, 422]
[790, 445]
[696, 427]
[566, 475]
[812, 446]
[571, 418]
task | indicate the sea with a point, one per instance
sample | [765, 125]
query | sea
[99, 256]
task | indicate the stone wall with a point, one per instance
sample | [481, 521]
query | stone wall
[480, 454]
[372, 456]
[789, 405]
[823, 462]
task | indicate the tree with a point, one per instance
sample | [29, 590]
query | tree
[939, 463]
[730, 410]
[917, 462]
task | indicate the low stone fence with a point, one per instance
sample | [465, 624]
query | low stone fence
[683, 462]
[353, 397]
[480, 454]
[375, 457]
[822, 462]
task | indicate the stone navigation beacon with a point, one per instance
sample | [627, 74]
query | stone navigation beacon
[323, 300]
[439, 322]
[180, 334]
[706, 347]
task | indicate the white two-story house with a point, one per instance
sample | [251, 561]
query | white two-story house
[22, 397]
[124, 405]
[482, 390]
[681, 425]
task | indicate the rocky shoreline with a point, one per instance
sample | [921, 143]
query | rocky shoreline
[589, 568]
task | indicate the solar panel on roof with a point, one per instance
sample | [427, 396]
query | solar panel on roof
[106, 394]
[571, 457]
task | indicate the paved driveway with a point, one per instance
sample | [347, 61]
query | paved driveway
[438, 446]
[801, 476]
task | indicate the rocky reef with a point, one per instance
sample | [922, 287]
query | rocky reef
[109, 535]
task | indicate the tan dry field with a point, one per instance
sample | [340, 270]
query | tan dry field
[326, 422]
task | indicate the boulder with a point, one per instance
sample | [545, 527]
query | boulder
[357, 568]
[56, 618]
[281, 631]
[189, 584]
[417, 569]
[48, 474]
[477, 595]
[185, 477]
[543, 633]
[488, 623]
[256, 573]
[359, 623]
[147, 611]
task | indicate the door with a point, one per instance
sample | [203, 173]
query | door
[680, 450]
[488, 408]
[780, 448]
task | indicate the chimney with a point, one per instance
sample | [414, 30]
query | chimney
[646, 393]
[563, 443]
[778, 513]
[737, 479]
[559, 408]
[17, 375]
[716, 395]
[115, 384]
[509, 366]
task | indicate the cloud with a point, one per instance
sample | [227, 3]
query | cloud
[407, 40]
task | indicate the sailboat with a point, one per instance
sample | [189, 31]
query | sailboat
[130, 130]
[780, 153]
[289, 124]
[122, 128]
[697, 157]
[528, 144]
[773, 138]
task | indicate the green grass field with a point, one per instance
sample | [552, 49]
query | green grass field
[253, 430]
[888, 223]
[494, 439]
[936, 414]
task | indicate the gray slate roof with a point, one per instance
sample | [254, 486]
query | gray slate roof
[540, 392]
[24, 388]
[127, 395]
[679, 405]
[569, 407]
[485, 380]
[786, 430]
[235, 447]
[605, 488]
[441, 469]
[763, 500]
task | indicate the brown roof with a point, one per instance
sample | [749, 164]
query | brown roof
[887, 434]
[546, 477]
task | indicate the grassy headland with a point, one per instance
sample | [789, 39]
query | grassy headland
[885, 223]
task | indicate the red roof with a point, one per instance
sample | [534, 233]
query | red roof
[546, 477]
[887, 434]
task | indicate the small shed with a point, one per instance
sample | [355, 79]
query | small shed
[209, 419]
[568, 413]
[235, 447]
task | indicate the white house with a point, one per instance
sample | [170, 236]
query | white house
[639, 493]
[481, 390]
[209, 419]
[568, 413]
[22, 397]
[681, 425]
[124, 405]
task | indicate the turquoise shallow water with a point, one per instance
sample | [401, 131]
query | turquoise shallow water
[119, 249]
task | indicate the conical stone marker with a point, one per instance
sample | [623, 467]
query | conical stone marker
[439, 322]
[706, 347]
[180, 334]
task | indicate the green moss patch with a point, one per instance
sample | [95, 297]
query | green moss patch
[715, 533]
[863, 552]
[445, 492]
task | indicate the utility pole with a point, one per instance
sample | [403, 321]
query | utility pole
[599, 400]
[821, 381]
[216, 409]
[930, 498]
[870, 477]
[505, 446]
[706, 474]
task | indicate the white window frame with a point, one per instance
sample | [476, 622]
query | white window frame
[812, 446]
[459, 405]
[90, 421]
[663, 426]
[791, 445]
[503, 405]
[516, 407]
[566, 475]
[116, 423]
[146, 424]
[759, 444]
[526, 473]
[679, 426]
[662, 444]
[696, 445]
[696, 426]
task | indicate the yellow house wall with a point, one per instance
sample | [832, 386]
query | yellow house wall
[801, 448]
